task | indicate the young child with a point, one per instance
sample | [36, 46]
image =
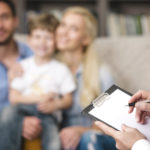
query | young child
[44, 79]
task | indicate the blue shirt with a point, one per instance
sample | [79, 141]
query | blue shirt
[73, 115]
[24, 52]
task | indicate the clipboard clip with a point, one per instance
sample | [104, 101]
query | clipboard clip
[100, 99]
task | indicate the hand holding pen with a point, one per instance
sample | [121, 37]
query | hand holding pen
[133, 103]
[140, 101]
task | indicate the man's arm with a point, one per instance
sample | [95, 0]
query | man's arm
[16, 97]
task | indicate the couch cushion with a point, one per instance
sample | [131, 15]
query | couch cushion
[129, 59]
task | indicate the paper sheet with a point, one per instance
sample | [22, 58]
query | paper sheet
[114, 112]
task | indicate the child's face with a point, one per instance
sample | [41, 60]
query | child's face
[42, 43]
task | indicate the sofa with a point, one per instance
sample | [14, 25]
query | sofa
[128, 59]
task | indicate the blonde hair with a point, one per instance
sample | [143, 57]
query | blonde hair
[91, 83]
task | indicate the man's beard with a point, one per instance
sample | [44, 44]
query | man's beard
[7, 41]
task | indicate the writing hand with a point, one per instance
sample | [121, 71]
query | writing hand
[142, 108]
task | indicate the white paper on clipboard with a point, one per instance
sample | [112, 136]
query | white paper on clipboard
[114, 112]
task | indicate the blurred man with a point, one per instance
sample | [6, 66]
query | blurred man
[11, 52]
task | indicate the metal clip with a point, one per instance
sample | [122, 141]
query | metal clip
[100, 99]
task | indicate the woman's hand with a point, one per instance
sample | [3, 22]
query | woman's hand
[70, 137]
[31, 128]
[125, 138]
[142, 108]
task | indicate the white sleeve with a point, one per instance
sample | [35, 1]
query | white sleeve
[142, 144]
[67, 83]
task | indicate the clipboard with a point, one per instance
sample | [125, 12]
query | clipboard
[110, 109]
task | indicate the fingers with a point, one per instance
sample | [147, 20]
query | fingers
[137, 96]
[31, 127]
[125, 128]
[142, 110]
[131, 108]
[106, 129]
[65, 138]
[141, 116]
[69, 138]
[62, 134]
[28, 134]
[138, 115]
[143, 106]
[51, 95]
[44, 108]
[140, 95]
[41, 107]
[73, 143]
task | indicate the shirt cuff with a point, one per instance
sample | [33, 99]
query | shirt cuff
[142, 144]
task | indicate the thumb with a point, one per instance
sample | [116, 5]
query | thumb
[106, 129]
[125, 128]
[143, 106]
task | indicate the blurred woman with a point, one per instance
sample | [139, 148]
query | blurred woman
[75, 41]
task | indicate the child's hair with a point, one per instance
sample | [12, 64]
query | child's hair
[43, 21]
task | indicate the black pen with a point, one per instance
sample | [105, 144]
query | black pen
[133, 104]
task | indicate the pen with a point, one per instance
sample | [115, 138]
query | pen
[133, 104]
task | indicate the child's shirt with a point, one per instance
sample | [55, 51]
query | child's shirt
[41, 79]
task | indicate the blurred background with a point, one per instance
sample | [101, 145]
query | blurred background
[115, 17]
